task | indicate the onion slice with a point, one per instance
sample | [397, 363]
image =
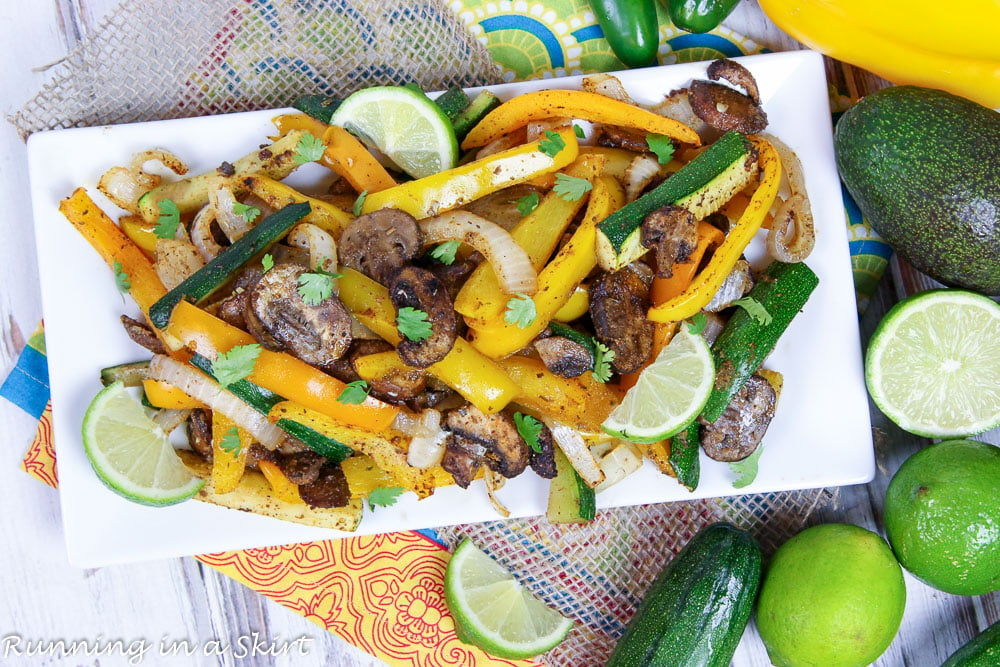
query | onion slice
[124, 185]
[201, 233]
[792, 236]
[639, 173]
[320, 244]
[494, 482]
[223, 201]
[428, 439]
[168, 419]
[510, 262]
[580, 457]
[199, 386]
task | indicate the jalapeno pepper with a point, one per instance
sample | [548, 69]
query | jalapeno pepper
[699, 15]
[631, 29]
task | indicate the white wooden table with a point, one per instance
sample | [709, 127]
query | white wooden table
[46, 599]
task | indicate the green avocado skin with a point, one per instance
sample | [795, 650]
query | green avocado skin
[923, 166]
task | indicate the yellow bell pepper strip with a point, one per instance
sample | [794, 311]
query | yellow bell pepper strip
[710, 279]
[168, 397]
[281, 373]
[919, 42]
[386, 447]
[428, 196]
[581, 402]
[277, 195]
[539, 233]
[579, 104]
[559, 278]
[479, 380]
[382, 365]
[283, 488]
[576, 307]
[364, 475]
[229, 463]
[344, 154]
[141, 232]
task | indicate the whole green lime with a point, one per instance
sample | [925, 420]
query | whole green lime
[942, 516]
[832, 596]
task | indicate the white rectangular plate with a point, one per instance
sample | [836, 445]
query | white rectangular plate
[820, 435]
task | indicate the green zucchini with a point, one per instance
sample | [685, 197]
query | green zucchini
[453, 102]
[983, 650]
[684, 457]
[332, 449]
[260, 399]
[320, 107]
[131, 374]
[745, 342]
[701, 186]
[697, 608]
[206, 280]
[468, 118]
[570, 499]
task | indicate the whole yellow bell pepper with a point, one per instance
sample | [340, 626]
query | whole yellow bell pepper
[953, 47]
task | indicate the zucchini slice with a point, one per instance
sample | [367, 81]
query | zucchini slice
[570, 499]
[475, 111]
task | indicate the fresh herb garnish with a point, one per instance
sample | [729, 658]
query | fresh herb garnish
[754, 309]
[571, 188]
[661, 145]
[267, 261]
[354, 393]
[520, 311]
[230, 442]
[236, 364]
[245, 211]
[413, 324]
[698, 323]
[122, 281]
[358, 203]
[383, 496]
[528, 203]
[315, 286]
[170, 218]
[746, 470]
[551, 144]
[603, 356]
[529, 428]
[578, 131]
[445, 252]
[309, 149]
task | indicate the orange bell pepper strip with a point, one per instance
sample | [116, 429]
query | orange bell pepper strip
[538, 233]
[141, 232]
[710, 279]
[579, 104]
[464, 369]
[282, 373]
[277, 195]
[344, 154]
[558, 280]
[284, 489]
[451, 188]
[228, 463]
[168, 397]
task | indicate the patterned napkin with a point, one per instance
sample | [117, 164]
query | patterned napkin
[384, 593]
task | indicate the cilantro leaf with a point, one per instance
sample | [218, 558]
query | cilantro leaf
[383, 496]
[170, 218]
[236, 364]
[571, 188]
[551, 144]
[231, 442]
[122, 281]
[754, 309]
[529, 428]
[358, 203]
[662, 146]
[527, 203]
[315, 286]
[746, 470]
[520, 311]
[578, 131]
[267, 261]
[354, 393]
[698, 323]
[445, 252]
[413, 324]
[245, 211]
[603, 356]
[309, 149]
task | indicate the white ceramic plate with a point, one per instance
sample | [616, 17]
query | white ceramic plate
[820, 435]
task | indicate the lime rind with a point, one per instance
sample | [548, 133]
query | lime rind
[933, 362]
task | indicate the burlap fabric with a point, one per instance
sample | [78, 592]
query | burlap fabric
[196, 57]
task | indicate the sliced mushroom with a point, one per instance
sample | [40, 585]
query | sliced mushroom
[564, 357]
[620, 137]
[200, 432]
[143, 335]
[736, 74]
[543, 461]
[740, 428]
[233, 308]
[330, 488]
[455, 274]
[673, 234]
[735, 286]
[413, 287]
[463, 458]
[618, 305]
[278, 317]
[491, 438]
[399, 386]
[343, 369]
[378, 243]
[302, 467]
[726, 109]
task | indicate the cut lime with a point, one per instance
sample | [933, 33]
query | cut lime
[131, 454]
[494, 612]
[403, 124]
[669, 393]
[933, 364]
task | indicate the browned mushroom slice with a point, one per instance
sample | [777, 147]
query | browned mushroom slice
[143, 335]
[413, 287]
[736, 74]
[738, 431]
[301, 467]
[399, 386]
[378, 243]
[618, 305]
[463, 458]
[673, 234]
[330, 488]
[232, 309]
[620, 137]
[200, 432]
[564, 357]
[278, 317]
[726, 109]
[504, 450]
[543, 461]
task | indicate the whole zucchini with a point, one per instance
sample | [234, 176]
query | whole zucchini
[697, 608]
[983, 650]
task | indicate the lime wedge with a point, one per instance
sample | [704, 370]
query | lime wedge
[669, 393]
[403, 124]
[494, 612]
[933, 364]
[131, 454]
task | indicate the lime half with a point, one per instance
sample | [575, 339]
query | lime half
[403, 124]
[933, 364]
[669, 393]
[494, 612]
[131, 453]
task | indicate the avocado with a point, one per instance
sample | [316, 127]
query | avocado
[923, 166]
